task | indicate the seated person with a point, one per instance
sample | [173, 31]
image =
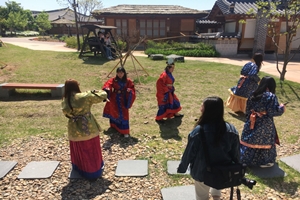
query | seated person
[106, 48]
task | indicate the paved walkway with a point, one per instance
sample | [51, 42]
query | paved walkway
[269, 66]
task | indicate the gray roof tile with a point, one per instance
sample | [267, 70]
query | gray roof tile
[66, 14]
[148, 9]
[240, 6]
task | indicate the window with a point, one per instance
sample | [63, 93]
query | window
[230, 27]
[250, 28]
[121, 26]
[152, 28]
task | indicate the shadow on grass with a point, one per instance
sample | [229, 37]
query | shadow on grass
[169, 128]
[240, 116]
[295, 93]
[273, 177]
[22, 96]
[94, 60]
[96, 188]
[117, 138]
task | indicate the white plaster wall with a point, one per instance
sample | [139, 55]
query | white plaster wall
[227, 47]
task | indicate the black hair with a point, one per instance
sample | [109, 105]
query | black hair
[258, 59]
[169, 66]
[213, 113]
[266, 83]
[121, 69]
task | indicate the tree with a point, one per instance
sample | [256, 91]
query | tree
[3, 17]
[16, 21]
[86, 6]
[289, 12]
[30, 20]
[13, 6]
[13, 16]
[42, 22]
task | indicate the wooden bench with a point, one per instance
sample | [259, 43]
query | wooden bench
[57, 90]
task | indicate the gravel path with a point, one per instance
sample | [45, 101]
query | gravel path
[109, 186]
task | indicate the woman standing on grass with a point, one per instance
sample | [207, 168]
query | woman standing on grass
[247, 83]
[121, 93]
[83, 129]
[222, 142]
[259, 134]
[168, 103]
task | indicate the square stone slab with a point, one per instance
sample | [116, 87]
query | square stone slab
[75, 175]
[176, 57]
[157, 56]
[292, 161]
[269, 172]
[179, 193]
[132, 168]
[38, 169]
[172, 166]
[5, 167]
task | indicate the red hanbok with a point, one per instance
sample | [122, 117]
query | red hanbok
[168, 103]
[121, 96]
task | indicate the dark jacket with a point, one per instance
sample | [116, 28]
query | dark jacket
[225, 153]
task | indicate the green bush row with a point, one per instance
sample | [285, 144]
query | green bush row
[183, 49]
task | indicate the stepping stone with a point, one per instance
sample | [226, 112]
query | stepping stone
[176, 57]
[269, 172]
[157, 56]
[292, 161]
[75, 175]
[5, 167]
[38, 169]
[132, 168]
[179, 193]
[172, 166]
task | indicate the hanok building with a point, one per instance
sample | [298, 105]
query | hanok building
[234, 37]
[152, 21]
[63, 21]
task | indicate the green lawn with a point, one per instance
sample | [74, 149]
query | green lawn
[33, 112]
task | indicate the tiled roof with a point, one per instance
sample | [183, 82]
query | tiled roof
[236, 7]
[218, 35]
[240, 6]
[148, 9]
[206, 21]
[65, 13]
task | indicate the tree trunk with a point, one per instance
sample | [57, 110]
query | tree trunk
[261, 31]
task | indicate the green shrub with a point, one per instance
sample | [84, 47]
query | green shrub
[71, 42]
[183, 49]
[121, 44]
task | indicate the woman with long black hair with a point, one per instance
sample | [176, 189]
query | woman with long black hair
[222, 141]
[247, 83]
[121, 95]
[259, 135]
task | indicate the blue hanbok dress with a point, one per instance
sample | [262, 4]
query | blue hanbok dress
[259, 133]
[247, 83]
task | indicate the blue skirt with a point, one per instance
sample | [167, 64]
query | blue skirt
[257, 157]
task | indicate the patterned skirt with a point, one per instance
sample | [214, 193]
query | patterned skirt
[86, 157]
[257, 157]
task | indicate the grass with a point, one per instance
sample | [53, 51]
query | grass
[28, 113]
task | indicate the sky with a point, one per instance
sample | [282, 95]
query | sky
[40, 5]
